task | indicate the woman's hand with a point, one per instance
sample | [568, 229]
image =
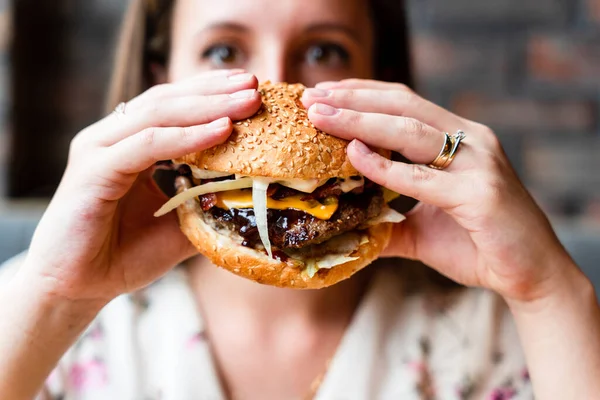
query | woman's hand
[476, 223]
[98, 237]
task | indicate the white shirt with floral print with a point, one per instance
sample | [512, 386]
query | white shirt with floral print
[407, 340]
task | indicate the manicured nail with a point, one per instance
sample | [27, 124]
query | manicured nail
[241, 77]
[317, 92]
[324, 109]
[361, 147]
[243, 94]
[219, 123]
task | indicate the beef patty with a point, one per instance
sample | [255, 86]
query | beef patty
[296, 229]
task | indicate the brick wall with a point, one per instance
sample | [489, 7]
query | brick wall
[4, 79]
[530, 69]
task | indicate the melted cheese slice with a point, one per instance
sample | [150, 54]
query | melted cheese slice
[243, 199]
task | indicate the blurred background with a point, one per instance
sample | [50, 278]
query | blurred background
[530, 69]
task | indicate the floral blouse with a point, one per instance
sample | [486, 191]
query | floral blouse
[407, 340]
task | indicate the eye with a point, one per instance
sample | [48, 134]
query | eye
[222, 55]
[327, 54]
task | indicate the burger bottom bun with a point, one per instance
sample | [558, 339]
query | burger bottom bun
[225, 252]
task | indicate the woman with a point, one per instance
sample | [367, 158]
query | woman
[202, 333]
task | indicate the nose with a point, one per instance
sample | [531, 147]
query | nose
[271, 63]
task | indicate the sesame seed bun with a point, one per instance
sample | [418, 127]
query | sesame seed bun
[278, 142]
[227, 253]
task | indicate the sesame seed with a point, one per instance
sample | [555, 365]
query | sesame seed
[315, 140]
[305, 124]
[230, 164]
[254, 158]
[255, 166]
[263, 119]
[279, 163]
[292, 123]
[304, 141]
[274, 146]
[237, 270]
[271, 131]
[280, 120]
[250, 147]
[269, 123]
[246, 124]
[328, 150]
[237, 258]
[249, 121]
[238, 123]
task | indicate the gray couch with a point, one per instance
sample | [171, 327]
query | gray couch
[18, 223]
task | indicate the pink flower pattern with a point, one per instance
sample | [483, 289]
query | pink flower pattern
[88, 375]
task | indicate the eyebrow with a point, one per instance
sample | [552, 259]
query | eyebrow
[233, 26]
[326, 26]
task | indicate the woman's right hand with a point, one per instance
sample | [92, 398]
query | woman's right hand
[98, 237]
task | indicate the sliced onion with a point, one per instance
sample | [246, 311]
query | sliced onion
[311, 268]
[194, 192]
[259, 198]
[348, 185]
[331, 260]
[387, 215]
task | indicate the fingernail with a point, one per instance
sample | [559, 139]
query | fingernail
[317, 92]
[324, 109]
[243, 94]
[241, 77]
[219, 123]
[361, 147]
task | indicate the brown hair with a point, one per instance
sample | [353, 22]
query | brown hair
[145, 39]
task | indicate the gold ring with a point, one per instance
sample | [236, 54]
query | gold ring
[449, 150]
[120, 110]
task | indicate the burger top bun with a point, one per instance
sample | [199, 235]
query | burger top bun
[278, 142]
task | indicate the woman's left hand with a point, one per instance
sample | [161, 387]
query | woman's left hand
[476, 222]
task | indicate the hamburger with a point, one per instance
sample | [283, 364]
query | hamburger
[279, 202]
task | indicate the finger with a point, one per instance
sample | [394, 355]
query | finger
[430, 186]
[413, 139]
[140, 151]
[384, 97]
[178, 112]
[361, 84]
[218, 82]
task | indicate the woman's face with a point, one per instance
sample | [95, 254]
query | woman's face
[306, 41]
